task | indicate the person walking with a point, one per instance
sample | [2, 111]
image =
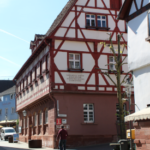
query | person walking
[62, 136]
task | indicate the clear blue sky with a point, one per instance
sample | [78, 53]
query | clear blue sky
[20, 20]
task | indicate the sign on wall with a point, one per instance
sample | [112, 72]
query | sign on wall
[58, 121]
[64, 121]
[66, 127]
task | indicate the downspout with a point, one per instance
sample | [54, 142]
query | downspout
[53, 99]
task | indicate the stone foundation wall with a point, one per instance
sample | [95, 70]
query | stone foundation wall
[142, 135]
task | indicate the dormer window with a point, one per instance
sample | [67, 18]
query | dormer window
[90, 20]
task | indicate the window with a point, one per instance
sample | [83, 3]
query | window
[74, 61]
[11, 96]
[24, 120]
[90, 20]
[40, 118]
[12, 110]
[47, 62]
[6, 111]
[88, 110]
[46, 116]
[41, 68]
[35, 120]
[101, 21]
[0, 111]
[27, 122]
[0, 99]
[112, 63]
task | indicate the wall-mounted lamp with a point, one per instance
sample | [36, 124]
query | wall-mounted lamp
[24, 113]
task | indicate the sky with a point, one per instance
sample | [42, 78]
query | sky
[20, 20]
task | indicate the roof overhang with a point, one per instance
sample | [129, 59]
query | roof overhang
[140, 115]
[124, 9]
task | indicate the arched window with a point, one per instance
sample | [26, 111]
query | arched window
[40, 118]
[35, 120]
[46, 116]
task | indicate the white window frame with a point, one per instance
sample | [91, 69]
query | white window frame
[101, 19]
[112, 63]
[90, 18]
[74, 61]
[88, 113]
[46, 116]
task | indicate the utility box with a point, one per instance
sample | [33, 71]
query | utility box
[123, 144]
[132, 134]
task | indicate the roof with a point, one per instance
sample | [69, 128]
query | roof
[124, 9]
[61, 16]
[8, 91]
[140, 115]
[6, 84]
[40, 36]
[55, 24]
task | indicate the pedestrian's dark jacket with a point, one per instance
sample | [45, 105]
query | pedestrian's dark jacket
[62, 134]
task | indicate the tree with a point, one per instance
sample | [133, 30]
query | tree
[119, 62]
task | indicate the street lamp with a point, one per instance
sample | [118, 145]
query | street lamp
[24, 113]
[128, 88]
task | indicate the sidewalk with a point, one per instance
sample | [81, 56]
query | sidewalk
[4, 145]
[19, 145]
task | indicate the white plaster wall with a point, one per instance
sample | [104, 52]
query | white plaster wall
[102, 61]
[101, 35]
[111, 23]
[100, 4]
[91, 3]
[68, 19]
[88, 62]
[107, 3]
[103, 11]
[79, 34]
[142, 87]
[133, 8]
[81, 20]
[121, 25]
[92, 80]
[125, 66]
[71, 33]
[145, 2]
[57, 78]
[74, 46]
[138, 48]
[61, 60]
[73, 24]
[101, 80]
[81, 2]
[91, 45]
[61, 32]
[57, 43]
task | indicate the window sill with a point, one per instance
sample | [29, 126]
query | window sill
[74, 70]
[88, 123]
[40, 76]
[147, 39]
[97, 28]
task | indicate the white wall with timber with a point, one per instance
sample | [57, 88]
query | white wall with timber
[138, 47]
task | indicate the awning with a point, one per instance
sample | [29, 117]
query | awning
[8, 121]
[140, 115]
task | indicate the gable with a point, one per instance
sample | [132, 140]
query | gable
[133, 8]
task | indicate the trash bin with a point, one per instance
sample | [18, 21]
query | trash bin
[123, 144]
[10, 139]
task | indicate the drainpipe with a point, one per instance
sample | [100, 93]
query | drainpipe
[53, 99]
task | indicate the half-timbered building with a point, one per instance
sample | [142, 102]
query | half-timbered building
[59, 84]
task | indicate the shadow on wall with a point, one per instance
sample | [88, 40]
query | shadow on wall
[136, 22]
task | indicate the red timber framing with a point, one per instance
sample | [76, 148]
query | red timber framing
[47, 94]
